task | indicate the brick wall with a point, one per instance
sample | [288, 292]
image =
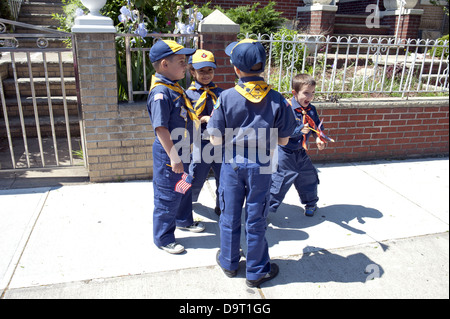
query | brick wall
[216, 43]
[357, 7]
[126, 154]
[409, 25]
[401, 130]
[317, 22]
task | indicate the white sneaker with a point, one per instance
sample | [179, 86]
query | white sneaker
[173, 248]
[196, 227]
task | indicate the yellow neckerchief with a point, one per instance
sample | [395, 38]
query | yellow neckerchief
[201, 102]
[177, 88]
[254, 91]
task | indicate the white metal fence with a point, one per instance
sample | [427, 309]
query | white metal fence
[345, 66]
[40, 122]
[358, 65]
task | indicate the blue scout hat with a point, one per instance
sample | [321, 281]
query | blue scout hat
[164, 48]
[202, 59]
[245, 54]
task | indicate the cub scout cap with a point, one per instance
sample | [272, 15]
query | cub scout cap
[164, 48]
[202, 59]
[245, 54]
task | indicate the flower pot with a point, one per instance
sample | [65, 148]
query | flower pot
[311, 2]
[392, 5]
[94, 6]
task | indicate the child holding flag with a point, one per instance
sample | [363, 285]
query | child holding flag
[172, 117]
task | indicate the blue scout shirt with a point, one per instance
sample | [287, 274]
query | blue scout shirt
[253, 120]
[194, 95]
[296, 140]
[167, 108]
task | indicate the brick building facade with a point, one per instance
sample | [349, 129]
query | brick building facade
[351, 15]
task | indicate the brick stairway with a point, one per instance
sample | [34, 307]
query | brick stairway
[39, 12]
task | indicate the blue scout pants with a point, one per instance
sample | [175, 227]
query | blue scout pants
[294, 167]
[239, 182]
[200, 172]
[171, 209]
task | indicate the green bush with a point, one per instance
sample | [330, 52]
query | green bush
[5, 13]
[253, 19]
[438, 51]
[256, 19]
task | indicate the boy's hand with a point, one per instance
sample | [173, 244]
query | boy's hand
[305, 129]
[205, 119]
[177, 167]
[320, 144]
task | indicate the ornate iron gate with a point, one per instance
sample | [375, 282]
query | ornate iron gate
[40, 122]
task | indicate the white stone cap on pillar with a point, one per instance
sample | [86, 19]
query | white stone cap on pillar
[405, 12]
[217, 22]
[93, 24]
[318, 7]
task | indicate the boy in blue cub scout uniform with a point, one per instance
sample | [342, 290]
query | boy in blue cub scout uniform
[294, 164]
[172, 119]
[247, 115]
[203, 94]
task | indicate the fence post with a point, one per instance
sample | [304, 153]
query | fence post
[317, 18]
[96, 57]
[118, 137]
[406, 21]
[217, 31]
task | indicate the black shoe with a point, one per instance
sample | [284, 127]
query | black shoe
[309, 211]
[228, 273]
[217, 211]
[270, 275]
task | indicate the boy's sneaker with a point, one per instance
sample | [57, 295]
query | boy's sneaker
[196, 227]
[309, 211]
[228, 273]
[173, 248]
[270, 275]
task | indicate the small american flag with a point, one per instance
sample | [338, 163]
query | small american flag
[184, 184]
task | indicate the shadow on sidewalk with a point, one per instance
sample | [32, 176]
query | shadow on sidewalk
[322, 266]
[292, 216]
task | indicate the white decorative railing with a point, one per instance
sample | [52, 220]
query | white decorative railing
[358, 65]
[346, 66]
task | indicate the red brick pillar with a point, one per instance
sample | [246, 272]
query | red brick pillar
[409, 22]
[217, 31]
[317, 19]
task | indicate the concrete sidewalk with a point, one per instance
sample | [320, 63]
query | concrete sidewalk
[381, 232]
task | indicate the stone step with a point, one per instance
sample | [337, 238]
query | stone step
[15, 126]
[38, 70]
[41, 7]
[42, 106]
[39, 19]
[350, 18]
[355, 29]
[40, 86]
